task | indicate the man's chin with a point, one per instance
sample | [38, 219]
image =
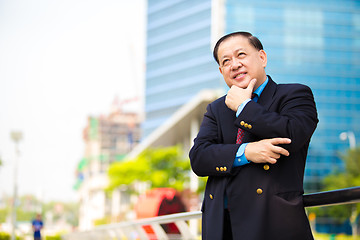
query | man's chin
[242, 84]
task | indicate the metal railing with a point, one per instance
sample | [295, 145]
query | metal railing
[132, 230]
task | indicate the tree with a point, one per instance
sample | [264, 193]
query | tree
[349, 177]
[160, 167]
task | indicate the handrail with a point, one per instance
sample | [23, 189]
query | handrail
[334, 197]
[134, 229]
[131, 230]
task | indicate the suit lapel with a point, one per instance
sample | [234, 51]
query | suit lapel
[267, 94]
[266, 99]
[229, 128]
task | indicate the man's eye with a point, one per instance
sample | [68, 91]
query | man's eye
[225, 62]
[241, 53]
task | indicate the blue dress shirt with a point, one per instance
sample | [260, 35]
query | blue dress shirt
[240, 158]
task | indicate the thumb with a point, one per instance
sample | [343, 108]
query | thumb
[252, 84]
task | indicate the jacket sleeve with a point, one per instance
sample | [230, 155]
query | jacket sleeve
[210, 156]
[295, 117]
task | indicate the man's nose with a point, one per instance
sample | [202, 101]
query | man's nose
[236, 63]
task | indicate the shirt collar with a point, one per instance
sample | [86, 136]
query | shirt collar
[259, 90]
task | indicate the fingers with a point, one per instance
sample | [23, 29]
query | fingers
[280, 151]
[277, 141]
[252, 85]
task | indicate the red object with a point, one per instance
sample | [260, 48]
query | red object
[157, 202]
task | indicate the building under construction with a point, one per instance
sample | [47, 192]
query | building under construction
[107, 139]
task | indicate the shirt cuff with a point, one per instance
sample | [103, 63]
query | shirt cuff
[241, 106]
[240, 158]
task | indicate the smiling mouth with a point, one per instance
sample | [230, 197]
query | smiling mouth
[240, 75]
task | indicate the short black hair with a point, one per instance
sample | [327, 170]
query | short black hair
[252, 39]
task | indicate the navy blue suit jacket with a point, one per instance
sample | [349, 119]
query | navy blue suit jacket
[264, 200]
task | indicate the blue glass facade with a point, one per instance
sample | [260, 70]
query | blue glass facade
[317, 44]
[179, 62]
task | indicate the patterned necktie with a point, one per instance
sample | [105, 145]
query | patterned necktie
[240, 133]
[239, 136]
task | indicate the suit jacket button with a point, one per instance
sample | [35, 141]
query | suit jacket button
[211, 196]
[266, 167]
[249, 126]
[259, 191]
[246, 125]
[225, 168]
[221, 169]
[217, 169]
[242, 123]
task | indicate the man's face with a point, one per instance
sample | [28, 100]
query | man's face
[239, 62]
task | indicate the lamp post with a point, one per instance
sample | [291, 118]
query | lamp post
[348, 135]
[16, 136]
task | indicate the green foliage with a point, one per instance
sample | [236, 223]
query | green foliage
[102, 221]
[324, 236]
[160, 167]
[7, 236]
[342, 179]
[4, 236]
[24, 216]
[55, 237]
[27, 204]
[3, 214]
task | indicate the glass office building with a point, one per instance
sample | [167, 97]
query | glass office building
[178, 62]
[316, 43]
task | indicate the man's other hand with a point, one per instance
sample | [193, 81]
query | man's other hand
[267, 150]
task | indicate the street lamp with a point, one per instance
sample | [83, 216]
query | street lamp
[348, 135]
[16, 136]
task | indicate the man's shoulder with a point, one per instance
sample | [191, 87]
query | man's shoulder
[287, 86]
[220, 100]
[292, 86]
[217, 104]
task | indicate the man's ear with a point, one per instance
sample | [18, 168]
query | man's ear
[263, 57]
[220, 70]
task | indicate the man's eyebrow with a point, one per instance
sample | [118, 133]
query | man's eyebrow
[237, 50]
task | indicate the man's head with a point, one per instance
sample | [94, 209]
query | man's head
[241, 57]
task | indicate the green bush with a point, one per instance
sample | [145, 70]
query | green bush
[7, 236]
[55, 237]
[4, 236]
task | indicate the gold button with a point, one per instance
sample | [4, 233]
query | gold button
[249, 126]
[217, 169]
[221, 169]
[246, 125]
[266, 167]
[259, 191]
[225, 168]
[211, 196]
[242, 123]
